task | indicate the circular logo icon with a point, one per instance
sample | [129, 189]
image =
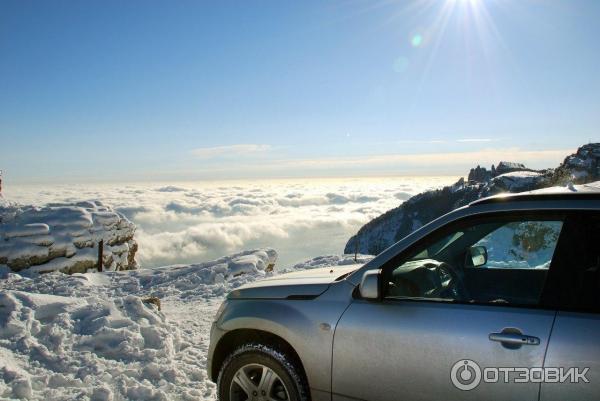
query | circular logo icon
[465, 375]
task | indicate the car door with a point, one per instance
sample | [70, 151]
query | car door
[574, 344]
[420, 342]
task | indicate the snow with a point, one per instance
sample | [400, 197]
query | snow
[330, 260]
[518, 180]
[24, 230]
[86, 256]
[91, 336]
[590, 187]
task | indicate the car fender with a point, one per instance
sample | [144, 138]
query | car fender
[307, 325]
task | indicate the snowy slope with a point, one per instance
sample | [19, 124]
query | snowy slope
[90, 336]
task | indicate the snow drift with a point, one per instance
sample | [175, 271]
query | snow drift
[92, 336]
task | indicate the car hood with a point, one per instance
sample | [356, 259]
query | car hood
[306, 284]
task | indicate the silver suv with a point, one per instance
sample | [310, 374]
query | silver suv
[498, 300]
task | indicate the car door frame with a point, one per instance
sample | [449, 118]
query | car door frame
[573, 343]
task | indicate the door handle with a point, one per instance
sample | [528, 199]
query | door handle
[514, 339]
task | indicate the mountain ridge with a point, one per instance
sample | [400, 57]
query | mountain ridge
[580, 167]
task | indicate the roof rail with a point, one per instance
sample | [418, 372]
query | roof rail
[542, 196]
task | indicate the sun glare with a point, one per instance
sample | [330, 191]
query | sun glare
[469, 20]
[472, 2]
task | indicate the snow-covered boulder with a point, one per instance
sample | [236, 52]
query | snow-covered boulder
[65, 237]
[259, 260]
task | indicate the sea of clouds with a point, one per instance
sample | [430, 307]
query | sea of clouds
[187, 222]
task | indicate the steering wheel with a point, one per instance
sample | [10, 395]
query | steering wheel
[453, 287]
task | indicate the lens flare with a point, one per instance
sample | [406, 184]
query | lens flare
[416, 40]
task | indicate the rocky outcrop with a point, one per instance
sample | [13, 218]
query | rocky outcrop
[579, 168]
[381, 232]
[509, 167]
[65, 237]
[481, 174]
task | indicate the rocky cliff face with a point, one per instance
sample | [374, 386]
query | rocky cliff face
[579, 168]
[65, 237]
[381, 232]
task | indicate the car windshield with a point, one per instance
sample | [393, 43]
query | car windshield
[438, 246]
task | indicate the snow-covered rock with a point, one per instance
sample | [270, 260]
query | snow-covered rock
[383, 231]
[65, 237]
[581, 167]
[91, 336]
[509, 167]
[517, 181]
[587, 188]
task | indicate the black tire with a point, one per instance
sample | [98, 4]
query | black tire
[272, 358]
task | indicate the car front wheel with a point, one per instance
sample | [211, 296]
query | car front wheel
[256, 372]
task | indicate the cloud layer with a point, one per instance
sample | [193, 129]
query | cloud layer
[192, 221]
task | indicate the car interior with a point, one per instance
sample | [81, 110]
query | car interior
[456, 268]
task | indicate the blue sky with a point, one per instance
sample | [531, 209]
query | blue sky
[148, 90]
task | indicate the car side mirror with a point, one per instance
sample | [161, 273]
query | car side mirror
[369, 285]
[478, 255]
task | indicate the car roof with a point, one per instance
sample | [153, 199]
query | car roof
[538, 196]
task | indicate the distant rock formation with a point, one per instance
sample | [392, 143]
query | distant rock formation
[65, 237]
[509, 167]
[383, 231]
[481, 174]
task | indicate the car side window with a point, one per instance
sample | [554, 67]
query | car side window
[501, 261]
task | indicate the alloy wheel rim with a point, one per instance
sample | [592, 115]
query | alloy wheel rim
[256, 382]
